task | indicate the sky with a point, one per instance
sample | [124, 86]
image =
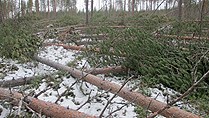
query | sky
[81, 5]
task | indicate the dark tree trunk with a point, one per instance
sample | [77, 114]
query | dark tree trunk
[1, 15]
[55, 8]
[180, 10]
[87, 12]
[92, 8]
[133, 6]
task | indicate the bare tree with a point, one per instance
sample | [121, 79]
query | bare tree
[92, 8]
[23, 7]
[37, 6]
[30, 6]
[1, 14]
[43, 6]
[180, 10]
[54, 7]
[48, 5]
[133, 6]
[87, 12]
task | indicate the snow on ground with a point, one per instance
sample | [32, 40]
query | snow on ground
[80, 92]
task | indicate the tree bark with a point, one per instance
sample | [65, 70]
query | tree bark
[42, 107]
[133, 6]
[87, 12]
[20, 81]
[92, 8]
[180, 10]
[29, 80]
[55, 8]
[131, 96]
[1, 13]
[48, 5]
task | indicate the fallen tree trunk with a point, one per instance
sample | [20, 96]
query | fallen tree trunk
[137, 98]
[86, 43]
[20, 81]
[42, 107]
[29, 80]
[73, 47]
[115, 69]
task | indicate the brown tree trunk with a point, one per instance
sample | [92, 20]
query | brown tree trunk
[42, 107]
[55, 8]
[137, 98]
[29, 80]
[133, 6]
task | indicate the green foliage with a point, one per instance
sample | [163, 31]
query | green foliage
[17, 41]
[187, 28]
[169, 62]
[68, 20]
[142, 113]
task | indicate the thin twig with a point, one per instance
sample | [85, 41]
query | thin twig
[75, 82]
[109, 101]
[87, 101]
[206, 75]
[115, 111]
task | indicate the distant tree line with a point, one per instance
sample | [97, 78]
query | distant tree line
[16, 8]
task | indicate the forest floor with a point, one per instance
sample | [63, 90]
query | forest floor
[80, 95]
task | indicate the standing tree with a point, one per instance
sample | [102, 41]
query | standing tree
[129, 5]
[92, 8]
[1, 14]
[30, 6]
[133, 6]
[23, 7]
[180, 10]
[37, 6]
[43, 6]
[54, 7]
[48, 5]
[87, 11]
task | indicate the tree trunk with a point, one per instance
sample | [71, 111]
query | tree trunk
[133, 6]
[180, 10]
[1, 14]
[187, 9]
[42, 107]
[124, 6]
[48, 8]
[129, 5]
[37, 6]
[55, 8]
[137, 98]
[87, 12]
[92, 8]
